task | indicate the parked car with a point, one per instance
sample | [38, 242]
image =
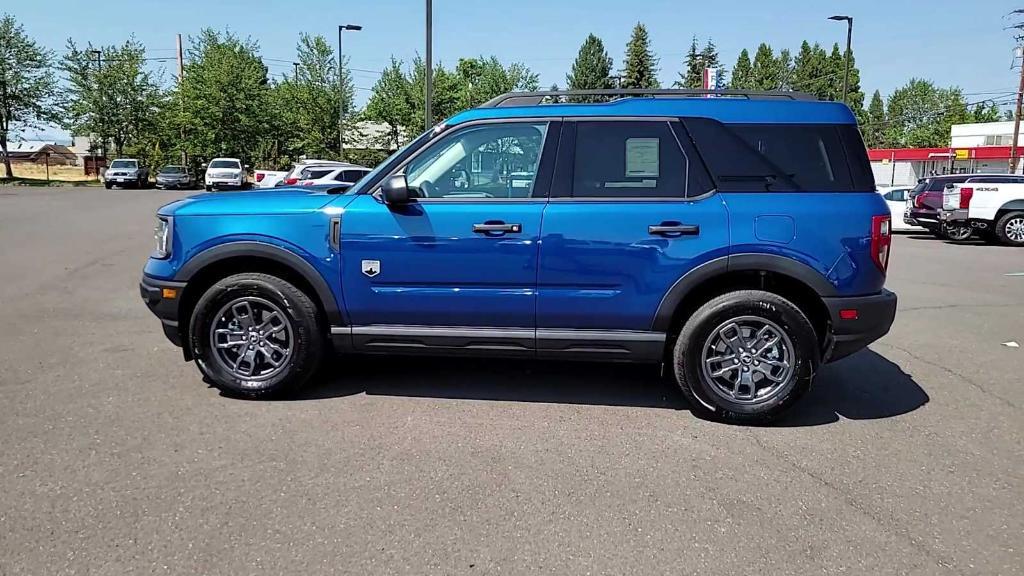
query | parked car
[173, 176]
[126, 172]
[268, 178]
[658, 230]
[225, 173]
[303, 170]
[995, 209]
[926, 201]
[896, 198]
[347, 175]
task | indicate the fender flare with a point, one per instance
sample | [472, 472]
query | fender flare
[1012, 205]
[736, 263]
[270, 252]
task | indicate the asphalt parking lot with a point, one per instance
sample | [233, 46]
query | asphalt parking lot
[115, 457]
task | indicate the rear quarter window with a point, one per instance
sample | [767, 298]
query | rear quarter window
[782, 157]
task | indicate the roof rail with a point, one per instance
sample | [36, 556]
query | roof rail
[534, 98]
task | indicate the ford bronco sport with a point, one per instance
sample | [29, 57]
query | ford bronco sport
[737, 240]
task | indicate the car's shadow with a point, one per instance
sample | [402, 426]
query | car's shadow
[862, 387]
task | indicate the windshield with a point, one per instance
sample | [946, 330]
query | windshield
[358, 187]
[124, 164]
[172, 170]
[225, 164]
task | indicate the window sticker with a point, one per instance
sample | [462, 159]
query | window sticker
[642, 157]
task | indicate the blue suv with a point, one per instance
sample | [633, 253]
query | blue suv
[737, 239]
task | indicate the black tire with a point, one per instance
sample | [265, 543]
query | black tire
[1003, 225]
[957, 232]
[703, 395]
[209, 188]
[305, 336]
[108, 185]
[937, 232]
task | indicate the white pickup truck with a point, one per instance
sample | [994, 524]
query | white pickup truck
[995, 209]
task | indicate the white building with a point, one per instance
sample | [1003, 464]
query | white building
[972, 148]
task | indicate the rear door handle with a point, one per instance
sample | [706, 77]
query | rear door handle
[497, 227]
[673, 229]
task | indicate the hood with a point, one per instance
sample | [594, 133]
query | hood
[256, 202]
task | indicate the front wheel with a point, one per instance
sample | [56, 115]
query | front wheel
[209, 188]
[256, 336]
[1010, 229]
[745, 357]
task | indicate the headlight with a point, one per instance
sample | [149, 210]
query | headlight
[162, 235]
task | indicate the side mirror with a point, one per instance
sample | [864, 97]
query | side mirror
[246, 166]
[203, 165]
[395, 191]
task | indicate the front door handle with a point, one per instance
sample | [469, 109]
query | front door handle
[497, 228]
[673, 229]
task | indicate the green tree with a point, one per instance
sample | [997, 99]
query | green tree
[919, 114]
[591, 70]
[391, 103]
[693, 75]
[784, 63]
[447, 98]
[742, 73]
[225, 104]
[481, 79]
[117, 101]
[986, 113]
[874, 125]
[27, 84]
[641, 67]
[767, 72]
[811, 71]
[308, 103]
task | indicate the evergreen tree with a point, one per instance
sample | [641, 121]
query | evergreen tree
[874, 126]
[784, 63]
[693, 77]
[742, 73]
[811, 72]
[709, 59]
[641, 67]
[766, 73]
[591, 70]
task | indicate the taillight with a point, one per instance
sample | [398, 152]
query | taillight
[881, 241]
[965, 197]
[919, 201]
[260, 176]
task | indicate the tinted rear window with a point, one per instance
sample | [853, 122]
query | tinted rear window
[783, 157]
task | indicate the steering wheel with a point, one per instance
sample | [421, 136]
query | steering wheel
[427, 189]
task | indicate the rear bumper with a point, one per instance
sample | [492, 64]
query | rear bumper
[875, 315]
[953, 215]
[166, 309]
[926, 218]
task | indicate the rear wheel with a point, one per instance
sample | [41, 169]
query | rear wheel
[957, 232]
[1010, 229]
[745, 356]
[256, 336]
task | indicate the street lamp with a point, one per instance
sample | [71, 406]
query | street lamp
[341, 90]
[849, 38]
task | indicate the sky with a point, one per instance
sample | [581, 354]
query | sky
[951, 42]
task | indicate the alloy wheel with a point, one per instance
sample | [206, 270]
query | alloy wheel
[748, 360]
[251, 338]
[1015, 229]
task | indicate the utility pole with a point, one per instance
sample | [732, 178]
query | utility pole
[295, 65]
[429, 80]
[1016, 118]
[99, 88]
[849, 40]
[181, 76]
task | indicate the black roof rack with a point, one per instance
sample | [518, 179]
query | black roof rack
[534, 98]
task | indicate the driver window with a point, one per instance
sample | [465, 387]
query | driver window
[488, 161]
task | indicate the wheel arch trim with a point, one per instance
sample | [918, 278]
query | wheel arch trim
[272, 252]
[737, 263]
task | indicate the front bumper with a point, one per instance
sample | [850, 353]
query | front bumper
[172, 183]
[875, 315]
[224, 182]
[165, 308]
